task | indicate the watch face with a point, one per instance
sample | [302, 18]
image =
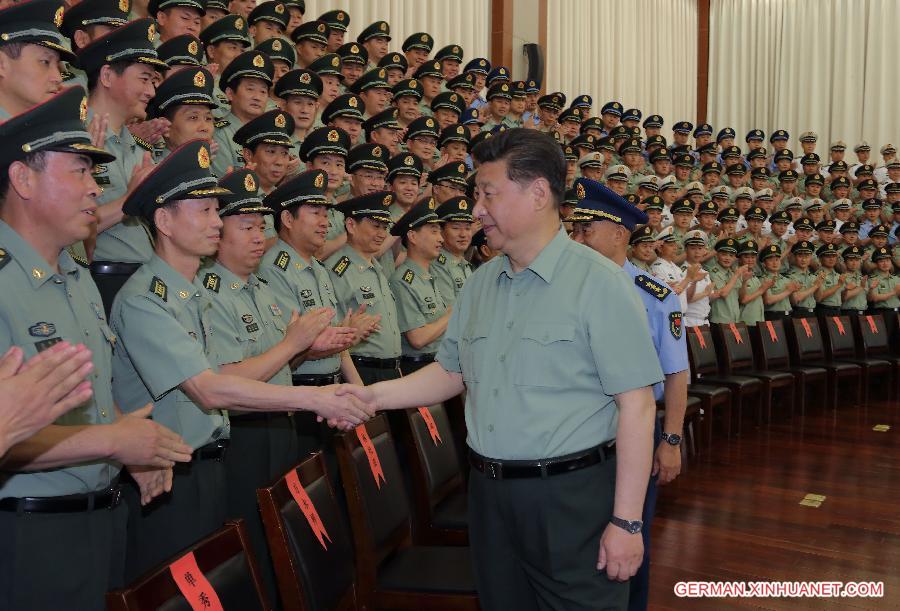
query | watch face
[634, 527]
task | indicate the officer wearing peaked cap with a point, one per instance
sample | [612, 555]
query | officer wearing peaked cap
[359, 279]
[223, 41]
[162, 320]
[804, 298]
[300, 89]
[72, 522]
[422, 311]
[451, 269]
[725, 278]
[383, 129]
[186, 99]
[248, 323]
[853, 297]
[268, 20]
[86, 21]
[417, 47]
[183, 50]
[610, 237]
[354, 59]
[396, 66]
[326, 149]
[281, 52]
[375, 38]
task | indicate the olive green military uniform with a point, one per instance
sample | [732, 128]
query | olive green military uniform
[831, 280]
[425, 109]
[887, 283]
[419, 302]
[542, 353]
[246, 321]
[805, 279]
[358, 282]
[335, 223]
[162, 322]
[857, 303]
[128, 241]
[784, 306]
[450, 274]
[723, 309]
[230, 153]
[752, 312]
[74, 556]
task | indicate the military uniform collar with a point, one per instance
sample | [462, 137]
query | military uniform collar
[544, 265]
[357, 259]
[27, 258]
[177, 290]
[231, 281]
[123, 137]
[303, 263]
[425, 272]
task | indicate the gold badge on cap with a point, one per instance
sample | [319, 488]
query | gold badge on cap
[276, 45]
[304, 78]
[456, 50]
[199, 79]
[279, 8]
[381, 73]
[382, 26]
[340, 17]
[258, 61]
[354, 49]
[352, 103]
[424, 38]
[123, 6]
[482, 63]
[431, 203]
[335, 61]
[504, 87]
[462, 168]
[238, 24]
[387, 199]
[412, 83]
[453, 98]
[376, 152]
[463, 205]
[429, 122]
[203, 157]
[321, 28]
[408, 160]
[192, 47]
[579, 191]
[58, 17]
[459, 129]
[82, 110]
[280, 121]
[249, 183]
[319, 182]
[333, 136]
[151, 32]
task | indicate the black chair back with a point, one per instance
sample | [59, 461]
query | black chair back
[770, 344]
[701, 351]
[439, 460]
[737, 349]
[839, 337]
[806, 340]
[873, 335]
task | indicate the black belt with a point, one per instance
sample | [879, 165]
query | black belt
[113, 269]
[373, 363]
[256, 416]
[211, 451]
[323, 379]
[879, 310]
[420, 358]
[859, 312]
[103, 499]
[807, 310]
[518, 469]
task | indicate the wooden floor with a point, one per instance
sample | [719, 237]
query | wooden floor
[735, 515]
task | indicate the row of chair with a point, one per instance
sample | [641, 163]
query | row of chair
[792, 363]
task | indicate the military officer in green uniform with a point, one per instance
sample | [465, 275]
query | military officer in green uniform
[299, 91]
[451, 269]
[804, 299]
[396, 66]
[828, 295]
[547, 340]
[448, 181]
[311, 40]
[853, 296]
[122, 242]
[406, 96]
[223, 41]
[499, 97]
[61, 520]
[87, 21]
[283, 57]
[724, 301]
[251, 338]
[375, 38]
[359, 280]
[422, 312]
[777, 299]
[164, 354]
[246, 82]
[884, 287]
[187, 101]
[326, 149]
[176, 17]
[429, 75]
[753, 288]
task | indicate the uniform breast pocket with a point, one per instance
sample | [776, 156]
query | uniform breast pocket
[545, 354]
[472, 349]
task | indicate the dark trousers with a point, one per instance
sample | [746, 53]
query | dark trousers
[776, 315]
[61, 560]
[263, 448]
[194, 508]
[803, 313]
[639, 585]
[535, 542]
[409, 367]
[371, 375]
[824, 310]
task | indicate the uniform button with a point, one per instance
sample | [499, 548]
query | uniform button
[103, 413]
[509, 325]
[502, 358]
[490, 428]
[496, 392]
[86, 333]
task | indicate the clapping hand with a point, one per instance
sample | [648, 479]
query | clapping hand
[150, 131]
[302, 331]
[334, 339]
[364, 324]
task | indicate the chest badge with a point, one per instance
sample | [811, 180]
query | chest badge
[42, 329]
[276, 311]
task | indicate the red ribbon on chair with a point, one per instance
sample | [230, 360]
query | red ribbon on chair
[193, 585]
[699, 335]
[431, 424]
[736, 333]
[805, 324]
[772, 334]
[838, 324]
[306, 506]
[872, 326]
[369, 448]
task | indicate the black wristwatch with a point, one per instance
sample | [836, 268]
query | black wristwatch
[673, 439]
[633, 527]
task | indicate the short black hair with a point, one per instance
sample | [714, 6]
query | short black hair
[150, 224]
[36, 161]
[529, 155]
[118, 68]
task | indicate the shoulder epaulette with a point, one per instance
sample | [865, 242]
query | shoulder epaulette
[409, 276]
[211, 282]
[442, 259]
[4, 258]
[341, 266]
[67, 75]
[282, 260]
[653, 287]
[142, 143]
[78, 259]
[222, 123]
[159, 288]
